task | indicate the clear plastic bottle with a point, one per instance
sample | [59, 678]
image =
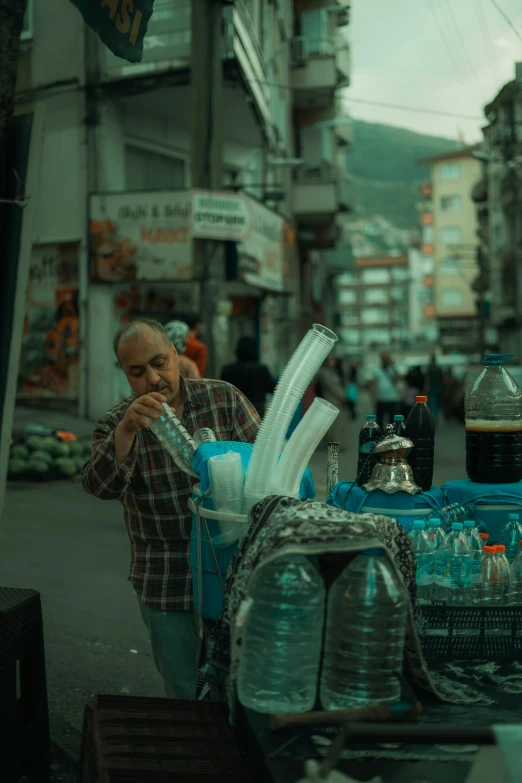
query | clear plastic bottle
[370, 433]
[424, 551]
[453, 578]
[282, 637]
[504, 571]
[476, 560]
[174, 438]
[515, 582]
[399, 426]
[420, 428]
[493, 422]
[511, 535]
[364, 640]
[456, 512]
[492, 590]
[438, 538]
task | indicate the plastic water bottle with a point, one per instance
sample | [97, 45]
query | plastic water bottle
[370, 433]
[476, 545]
[399, 426]
[424, 551]
[492, 590]
[453, 576]
[504, 571]
[438, 537]
[511, 535]
[364, 640]
[515, 583]
[456, 512]
[282, 637]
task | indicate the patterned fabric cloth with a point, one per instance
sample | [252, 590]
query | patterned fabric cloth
[313, 528]
[154, 492]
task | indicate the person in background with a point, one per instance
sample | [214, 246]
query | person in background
[195, 349]
[249, 376]
[415, 383]
[434, 387]
[331, 388]
[128, 465]
[177, 332]
[352, 391]
[383, 390]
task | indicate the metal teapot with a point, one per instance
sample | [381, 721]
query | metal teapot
[392, 473]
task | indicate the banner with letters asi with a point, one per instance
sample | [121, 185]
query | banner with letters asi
[120, 24]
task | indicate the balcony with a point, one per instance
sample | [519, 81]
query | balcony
[320, 193]
[319, 67]
[333, 116]
[340, 259]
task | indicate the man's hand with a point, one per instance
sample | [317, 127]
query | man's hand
[136, 418]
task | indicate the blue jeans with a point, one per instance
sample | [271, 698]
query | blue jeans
[173, 640]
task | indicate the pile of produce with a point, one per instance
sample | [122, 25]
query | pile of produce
[38, 458]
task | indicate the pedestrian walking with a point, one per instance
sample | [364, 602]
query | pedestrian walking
[384, 392]
[129, 465]
[352, 391]
[434, 387]
[250, 376]
[331, 388]
[414, 384]
[195, 348]
[177, 332]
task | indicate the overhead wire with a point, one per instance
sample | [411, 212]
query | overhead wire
[462, 48]
[487, 41]
[507, 19]
[445, 39]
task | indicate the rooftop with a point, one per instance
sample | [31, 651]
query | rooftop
[461, 152]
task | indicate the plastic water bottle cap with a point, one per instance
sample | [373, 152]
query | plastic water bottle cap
[514, 516]
[419, 524]
[489, 550]
[371, 417]
[469, 523]
[421, 398]
[485, 536]
[398, 417]
[373, 552]
[457, 526]
[434, 522]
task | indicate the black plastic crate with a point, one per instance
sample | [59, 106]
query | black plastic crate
[490, 633]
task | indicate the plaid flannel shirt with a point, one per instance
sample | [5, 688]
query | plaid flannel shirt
[154, 492]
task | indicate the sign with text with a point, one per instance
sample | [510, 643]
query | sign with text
[140, 236]
[223, 216]
[120, 24]
[261, 253]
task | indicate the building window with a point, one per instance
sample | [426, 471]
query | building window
[148, 170]
[376, 296]
[350, 336]
[398, 293]
[450, 171]
[400, 274]
[347, 296]
[450, 235]
[349, 316]
[450, 203]
[375, 315]
[428, 235]
[347, 278]
[428, 265]
[451, 297]
[451, 266]
[382, 336]
[378, 276]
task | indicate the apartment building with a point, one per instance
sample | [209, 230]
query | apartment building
[115, 211]
[498, 201]
[449, 226]
[373, 301]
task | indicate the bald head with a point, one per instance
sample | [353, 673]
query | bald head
[148, 358]
[144, 327]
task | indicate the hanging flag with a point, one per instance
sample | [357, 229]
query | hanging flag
[121, 24]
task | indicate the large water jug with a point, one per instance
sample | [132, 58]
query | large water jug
[282, 637]
[493, 413]
[453, 577]
[511, 536]
[364, 639]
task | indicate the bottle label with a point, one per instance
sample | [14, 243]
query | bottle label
[425, 571]
[476, 571]
[453, 572]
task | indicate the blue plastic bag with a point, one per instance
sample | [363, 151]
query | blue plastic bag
[208, 450]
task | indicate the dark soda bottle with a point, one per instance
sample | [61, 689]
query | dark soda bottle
[399, 426]
[420, 429]
[370, 433]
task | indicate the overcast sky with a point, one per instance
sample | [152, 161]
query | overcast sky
[445, 55]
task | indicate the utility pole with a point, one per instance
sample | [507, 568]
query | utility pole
[207, 149]
[11, 24]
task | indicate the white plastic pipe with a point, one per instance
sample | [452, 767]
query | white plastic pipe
[303, 442]
[297, 375]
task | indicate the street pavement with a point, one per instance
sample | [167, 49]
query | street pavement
[74, 549]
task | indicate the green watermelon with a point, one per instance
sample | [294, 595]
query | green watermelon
[42, 455]
[66, 466]
[80, 462]
[87, 446]
[59, 449]
[75, 448]
[19, 452]
[35, 443]
[17, 467]
[38, 466]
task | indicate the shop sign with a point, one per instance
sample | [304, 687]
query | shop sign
[223, 216]
[120, 24]
[261, 253]
[140, 236]
[49, 360]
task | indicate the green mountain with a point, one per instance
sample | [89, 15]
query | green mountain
[386, 177]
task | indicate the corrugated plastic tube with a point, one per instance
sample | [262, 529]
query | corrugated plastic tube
[303, 442]
[297, 375]
[174, 438]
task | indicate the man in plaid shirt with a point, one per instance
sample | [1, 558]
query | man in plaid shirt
[129, 464]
